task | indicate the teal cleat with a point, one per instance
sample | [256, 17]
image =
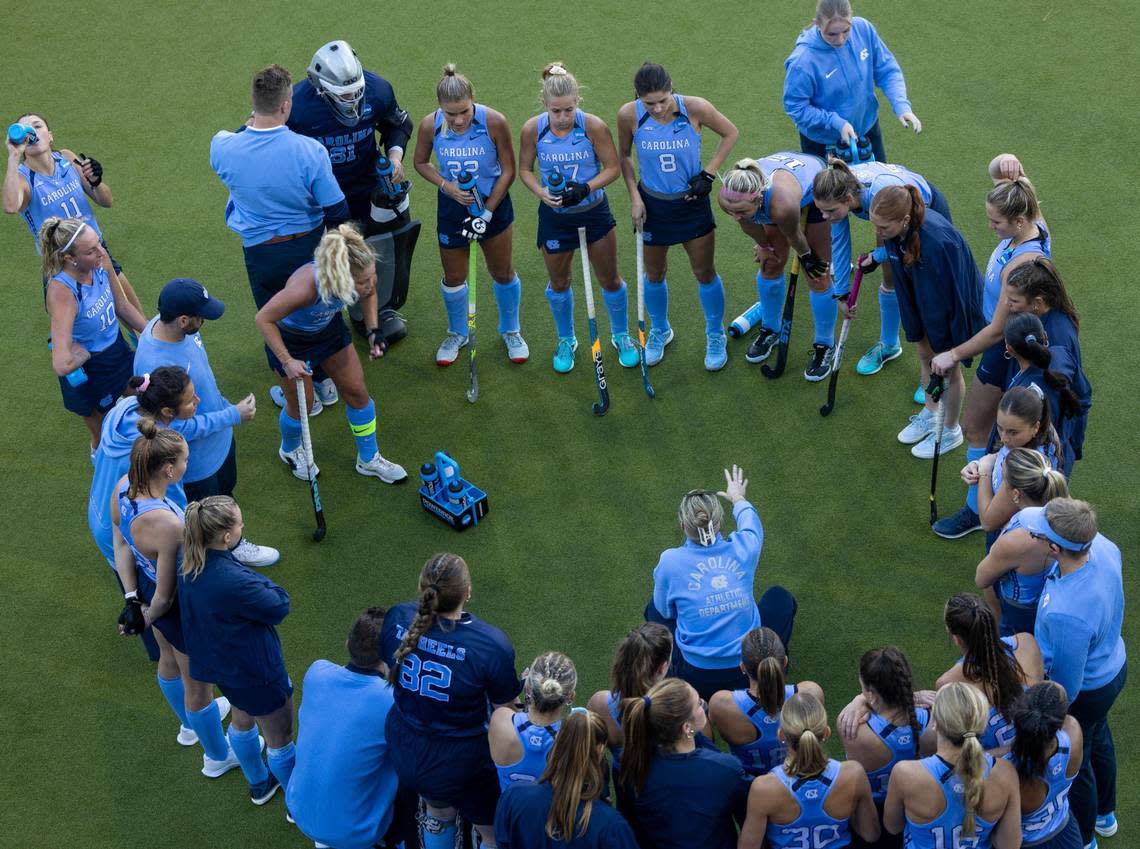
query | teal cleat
[627, 351]
[872, 362]
[920, 395]
[564, 355]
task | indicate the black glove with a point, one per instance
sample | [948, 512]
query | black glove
[132, 618]
[700, 185]
[868, 263]
[475, 226]
[574, 193]
[812, 265]
[96, 169]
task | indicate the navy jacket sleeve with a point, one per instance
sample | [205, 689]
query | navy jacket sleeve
[394, 124]
[259, 599]
[958, 264]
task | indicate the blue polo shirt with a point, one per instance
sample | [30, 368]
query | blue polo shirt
[279, 182]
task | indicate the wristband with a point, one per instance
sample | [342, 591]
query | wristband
[133, 594]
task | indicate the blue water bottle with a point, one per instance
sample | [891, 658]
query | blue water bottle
[455, 495]
[468, 183]
[384, 170]
[21, 133]
[745, 321]
[556, 183]
[77, 377]
[430, 478]
[866, 154]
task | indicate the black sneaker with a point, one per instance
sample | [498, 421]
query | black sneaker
[262, 792]
[819, 365]
[965, 521]
[762, 345]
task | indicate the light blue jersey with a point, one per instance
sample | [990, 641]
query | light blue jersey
[129, 510]
[57, 194]
[668, 155]
[573, 155]
[945, 831]
[1014, 588]
[766, 752]
[96, 325]
[537, 741]
[316, 316]
[814, 828]
[902, 743]
[873, 177]
[474, 151]
[1051, 817]
[1002, 256]
[802, 166]
[999, 731]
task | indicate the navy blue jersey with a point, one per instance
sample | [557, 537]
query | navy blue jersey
[451, 678]
[1065, 348]
[352, 149]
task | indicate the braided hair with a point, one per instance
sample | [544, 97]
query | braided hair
[887, 672]
[985, 660]
[444, 584]
[763, 655]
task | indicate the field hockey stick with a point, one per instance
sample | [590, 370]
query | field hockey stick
[603, 403]
[641, 315]
[934, 392]
[785, 324]
[307, 445]
[851, 298]
[467, 183]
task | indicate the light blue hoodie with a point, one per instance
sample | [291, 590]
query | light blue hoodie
[826, 87]
[113, 456]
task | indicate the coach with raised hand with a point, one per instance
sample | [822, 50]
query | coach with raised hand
[703, 590]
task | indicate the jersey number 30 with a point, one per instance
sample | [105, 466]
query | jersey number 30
[428, 678]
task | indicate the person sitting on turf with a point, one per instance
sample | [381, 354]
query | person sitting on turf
[702, 591]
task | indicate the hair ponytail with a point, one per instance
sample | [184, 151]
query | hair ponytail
[160, 389]
[984, 660]
[1013, 199]
[836, 183]
[57, 240]
[656, 719]
[151, 451]
[549, 681]
[888, 673]
[803, 722]
[341, 255]
[1030, 473]
[1025, 335]
[641, 654]
[205, 522]
[1038, 715]
[576, 773]
[1039, 278]
[763, 654]
[745, 177]
[453, 87]
[444, 584]
[960, 713]
[558, 82]
[651, 77]
[895, 203]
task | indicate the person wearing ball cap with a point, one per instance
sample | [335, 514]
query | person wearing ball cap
[1079, 618]
[173, 338]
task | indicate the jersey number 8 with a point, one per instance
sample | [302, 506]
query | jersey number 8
[428, 678]
[668, 163]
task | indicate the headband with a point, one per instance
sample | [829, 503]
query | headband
[1060, 541]
[145, 383]
[74, 236]
[733, 196]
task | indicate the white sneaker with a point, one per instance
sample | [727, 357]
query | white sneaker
[216, 769]
[951, 439]
[921, 423]
[378, 467]
[325, 392]
[517, 349]
[296, 461]
[187, 736]
[256, 556]
[277, 396]
[448, 351]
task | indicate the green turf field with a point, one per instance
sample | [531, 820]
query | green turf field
[580, 506]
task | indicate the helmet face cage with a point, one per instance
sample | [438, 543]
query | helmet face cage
[338, 77]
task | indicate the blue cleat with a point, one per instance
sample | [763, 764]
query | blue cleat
[716, 351]
[920, 395]
[627, 351]
[964, 522]
[1106, 826]
[655, 347]
[564, 354]
[873, 361]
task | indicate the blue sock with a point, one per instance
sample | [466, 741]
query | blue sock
[562, 306]
[657, 303]
[823, 310]
[455, 302]
[362, 423]
[247, 747]
[889, 319]
[290, 431]
[437, 834]
[973, 454]
[281, 762]
[175, 694]
[617, 305]
[207, 723]
[712, 302]
[507, 297]
[770, 293]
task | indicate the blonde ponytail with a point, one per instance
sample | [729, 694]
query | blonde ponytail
[341, 256]
[205, 522]
[57, 240]
[803, 722]
[960, 713]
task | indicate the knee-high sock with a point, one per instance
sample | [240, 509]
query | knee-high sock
[562, 307]
[507, 298]
[281, 762]
[175, 695]
[712, 302]
[362, 423]
[889, 319]
[973, 454]
[247, 746]
[770, 293]
[290, 431]
[657, 302]
[207, 723]
[617, 305]
[437, 833]
[455, 302]
[823, 310]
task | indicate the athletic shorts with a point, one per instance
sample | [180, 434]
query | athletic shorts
[451, 215]
[312, 348]
[170, 623]
[558, 231]
[938, 202]
[675, 221]
[269, 267]
[448, 772]
[260, 699]
[994, 369]
[107, 374]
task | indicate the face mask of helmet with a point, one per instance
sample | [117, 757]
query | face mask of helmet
[338, 78]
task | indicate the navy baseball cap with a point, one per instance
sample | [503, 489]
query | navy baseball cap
[183, 296]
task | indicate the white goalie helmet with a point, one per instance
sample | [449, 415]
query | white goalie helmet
[338, 77]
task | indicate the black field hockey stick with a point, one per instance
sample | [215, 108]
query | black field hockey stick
[826, 409]
[307, 446]
[603, 402]
[934, 393]
[641, 315]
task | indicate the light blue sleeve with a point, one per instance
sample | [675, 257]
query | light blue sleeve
[1069, 637]
[206, 423]
[661, 589]
[798, 90]
[324, 186]
[841, 255]
[748, 538]
[888, 75]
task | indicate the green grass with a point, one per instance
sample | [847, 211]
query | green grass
[580, 507]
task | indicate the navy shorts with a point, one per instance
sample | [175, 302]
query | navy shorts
[451, 215]
[170, 623]
[558, 231]
[107, 374]
[448, 772]
[269, 266]
[939, 203]
[994, 368]
[260, 699]
[312, 348]
[676, 221]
